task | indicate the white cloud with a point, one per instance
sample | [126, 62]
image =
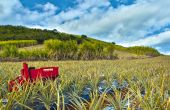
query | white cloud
[7, 8]
[161, 38]
[13, 12]
[126, 22]
[96, 18]
[166, 53]
[160, 42]
[48, 7]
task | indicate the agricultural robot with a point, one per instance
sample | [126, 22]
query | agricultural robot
[30, 75]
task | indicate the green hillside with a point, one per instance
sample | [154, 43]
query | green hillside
[21, 43]
[9, 32]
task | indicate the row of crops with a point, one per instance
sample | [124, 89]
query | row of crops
[60, 50]
[18, 43]
[141, 84]
[67, 50]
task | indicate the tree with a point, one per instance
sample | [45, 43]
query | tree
[113, 43]
[84, 36]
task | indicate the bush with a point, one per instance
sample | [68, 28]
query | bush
[10, 51]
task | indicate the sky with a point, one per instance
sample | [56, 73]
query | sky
[126, 22]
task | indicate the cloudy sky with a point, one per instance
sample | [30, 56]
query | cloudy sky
[126, 22]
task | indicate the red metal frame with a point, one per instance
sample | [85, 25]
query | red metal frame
[31, 74]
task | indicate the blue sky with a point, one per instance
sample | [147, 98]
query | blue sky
[126, 22]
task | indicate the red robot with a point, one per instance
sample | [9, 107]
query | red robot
[30, 75]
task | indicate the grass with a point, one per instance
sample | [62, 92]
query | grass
[148, 85]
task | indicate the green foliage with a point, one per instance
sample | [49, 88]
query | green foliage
[109, 52]
[9, 51]
[23, 36]
[18, 43]
[52, 45]
[61, 50]
[84, 36]
[70, 51]
[87, 51]
[113, 43]
[142, 50]
[99, 50]
[63, 46]
[148, 85]
[9, 32]
[120, 48]
[36, 54]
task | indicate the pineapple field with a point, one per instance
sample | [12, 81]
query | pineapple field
[124, 84]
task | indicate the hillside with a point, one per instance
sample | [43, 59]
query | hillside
[28, 41]
[9, 32]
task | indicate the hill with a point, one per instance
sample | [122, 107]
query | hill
[82, 46]
[8, 32]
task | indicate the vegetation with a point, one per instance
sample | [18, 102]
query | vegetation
[85, 85]
[22, 36]
[61, 50]
[70, 50]
[35, 54]
[9, 52]
[18, 43]
[9, 32]
[100, 84]
[141, 50]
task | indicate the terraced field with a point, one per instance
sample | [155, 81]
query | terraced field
[138, 84]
